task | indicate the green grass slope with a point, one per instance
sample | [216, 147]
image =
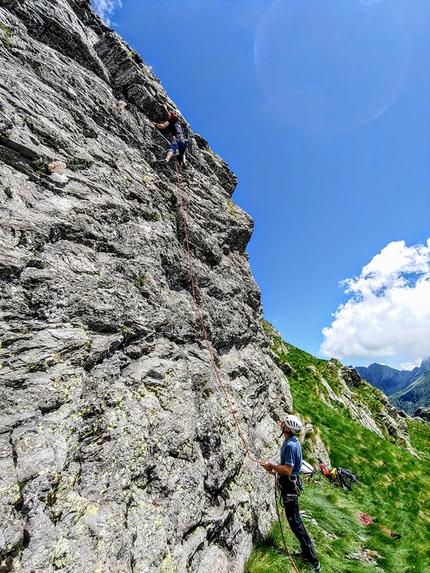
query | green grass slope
[415, 396]
[394, 486]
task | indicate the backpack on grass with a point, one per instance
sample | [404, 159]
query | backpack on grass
[340, 476]
[343, 478]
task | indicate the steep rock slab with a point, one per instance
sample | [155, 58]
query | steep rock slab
[117, 449]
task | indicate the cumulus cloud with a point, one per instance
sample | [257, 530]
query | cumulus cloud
[409, 365]
[105, 8]
[388, 312]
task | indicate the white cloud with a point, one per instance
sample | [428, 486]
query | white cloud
[409, 365]
[105, 8]
[388, 313]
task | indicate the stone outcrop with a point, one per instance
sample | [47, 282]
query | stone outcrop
[117, 448]
[386, 421]
[118, 451]
[423, 413]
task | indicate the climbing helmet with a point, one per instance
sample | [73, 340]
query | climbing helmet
[293, 423]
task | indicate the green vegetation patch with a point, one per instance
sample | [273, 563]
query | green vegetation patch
[394, 487]
[5, 36]
[231, 207]
[140, 282]
[370, 396]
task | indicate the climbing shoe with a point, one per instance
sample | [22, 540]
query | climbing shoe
[163, 162]
[317, 567]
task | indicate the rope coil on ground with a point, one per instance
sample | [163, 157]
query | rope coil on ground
[215, 367]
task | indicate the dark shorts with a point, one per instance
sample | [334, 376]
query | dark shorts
[180, 146]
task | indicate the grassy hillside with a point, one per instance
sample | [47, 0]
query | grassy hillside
[394, 486]
[415, 396]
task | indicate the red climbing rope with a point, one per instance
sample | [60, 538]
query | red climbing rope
[215, 367]
[202, 323]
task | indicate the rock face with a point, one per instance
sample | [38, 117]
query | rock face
[118, 452]
[423, 413]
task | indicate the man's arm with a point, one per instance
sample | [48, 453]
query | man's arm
[161, 125]
[277, 469]
[166, 123]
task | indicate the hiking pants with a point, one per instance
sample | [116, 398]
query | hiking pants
[291, 505]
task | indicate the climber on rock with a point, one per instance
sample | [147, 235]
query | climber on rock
[179, 143]
[289, 483]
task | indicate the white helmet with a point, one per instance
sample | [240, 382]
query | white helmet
[293, 423]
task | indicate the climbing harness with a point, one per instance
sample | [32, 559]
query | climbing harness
[215, 367]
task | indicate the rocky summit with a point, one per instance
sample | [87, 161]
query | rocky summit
[118, 450]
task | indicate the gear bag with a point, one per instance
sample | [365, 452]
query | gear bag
[343, 478]
[339, 476]
[346, 477]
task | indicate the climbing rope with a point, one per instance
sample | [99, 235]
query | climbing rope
[215, 367]
[202, 323]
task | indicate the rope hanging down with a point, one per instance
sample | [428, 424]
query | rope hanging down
[215, 367]
[202, 323]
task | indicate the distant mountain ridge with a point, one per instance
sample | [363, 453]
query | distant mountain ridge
[390, 380]
[414, 396]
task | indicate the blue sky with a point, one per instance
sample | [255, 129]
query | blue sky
[321, 108]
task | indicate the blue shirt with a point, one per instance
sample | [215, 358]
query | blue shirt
[291, 455]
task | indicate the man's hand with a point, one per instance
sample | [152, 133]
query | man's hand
[268, 467]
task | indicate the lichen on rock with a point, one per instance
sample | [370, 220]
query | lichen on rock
[118, 451]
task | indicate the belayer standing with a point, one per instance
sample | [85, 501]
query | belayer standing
[179, 143]
[288, 479]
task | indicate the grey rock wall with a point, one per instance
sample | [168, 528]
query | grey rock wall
[117, 449]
